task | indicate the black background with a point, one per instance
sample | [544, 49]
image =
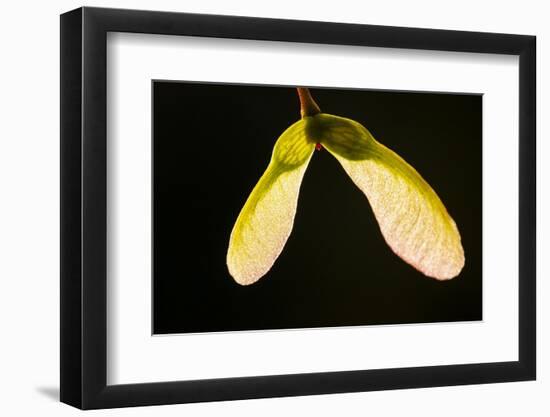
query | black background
[211, 145]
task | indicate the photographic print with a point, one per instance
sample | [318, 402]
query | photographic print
[279, 207]
[316, 218]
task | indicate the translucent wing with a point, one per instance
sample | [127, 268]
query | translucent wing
[265, 222]
[412, 218]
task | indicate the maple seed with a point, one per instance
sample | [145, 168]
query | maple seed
[412, 219]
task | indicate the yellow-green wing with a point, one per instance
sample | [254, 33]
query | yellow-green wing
[265, 222]
[412, 218]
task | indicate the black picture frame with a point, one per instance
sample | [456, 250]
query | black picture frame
[84, 193]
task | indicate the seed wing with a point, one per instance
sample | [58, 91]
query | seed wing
[412, 218]
[266, 219]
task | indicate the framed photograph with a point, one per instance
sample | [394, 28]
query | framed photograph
[258, 208]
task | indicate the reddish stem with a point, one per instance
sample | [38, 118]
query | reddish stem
[308, 106]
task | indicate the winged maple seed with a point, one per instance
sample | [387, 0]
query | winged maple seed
[413, 220]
